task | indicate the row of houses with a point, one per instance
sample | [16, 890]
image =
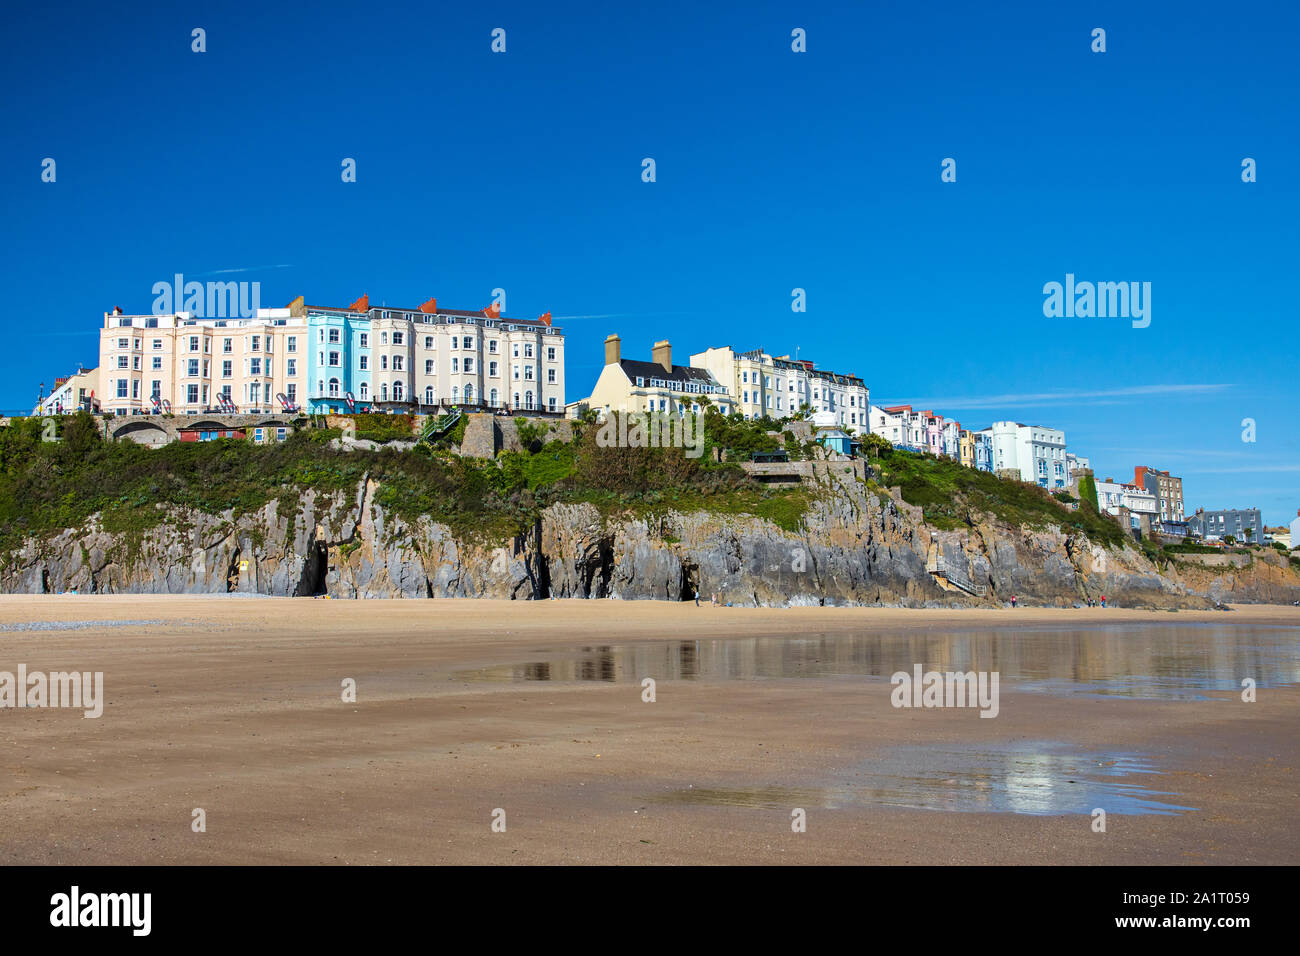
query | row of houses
[1032, 453]
[753, 384]
[320, 359]
[333, 359]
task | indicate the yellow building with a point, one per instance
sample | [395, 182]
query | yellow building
[630, 385]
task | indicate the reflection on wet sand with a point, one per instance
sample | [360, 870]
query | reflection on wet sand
[1042, 778]
[1153, 661]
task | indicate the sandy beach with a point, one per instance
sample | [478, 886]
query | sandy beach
[234, 706]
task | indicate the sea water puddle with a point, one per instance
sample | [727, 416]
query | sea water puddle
[1039, 778]
[1148, 661]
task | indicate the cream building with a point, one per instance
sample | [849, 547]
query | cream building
[779, 386]
[186, 365]
[77, 391]
[631, 385]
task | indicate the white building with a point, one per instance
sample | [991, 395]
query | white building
[779, 386]
[1035, 451]
[1110, 496]
[1295, 531]
[899, 424]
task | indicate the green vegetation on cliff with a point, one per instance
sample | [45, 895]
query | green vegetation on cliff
[46, 487]
[953, 496]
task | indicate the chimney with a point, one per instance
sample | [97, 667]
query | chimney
[612, 355]
[662, 354]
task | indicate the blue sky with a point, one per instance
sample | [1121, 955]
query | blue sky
[775, 170]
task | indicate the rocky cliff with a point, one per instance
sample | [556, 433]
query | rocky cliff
[854, 548]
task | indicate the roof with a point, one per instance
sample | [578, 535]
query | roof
[459, 313]
[680, 373]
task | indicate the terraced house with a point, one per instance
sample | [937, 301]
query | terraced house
[183, 364]
[384, 358]
[778, 386]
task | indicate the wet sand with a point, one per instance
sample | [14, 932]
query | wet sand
[233, 705]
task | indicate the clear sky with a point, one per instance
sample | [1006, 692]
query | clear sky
[775, 170]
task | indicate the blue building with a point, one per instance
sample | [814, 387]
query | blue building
[339, 361]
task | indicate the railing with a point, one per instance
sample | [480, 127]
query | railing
[439, 426]
[937, 566]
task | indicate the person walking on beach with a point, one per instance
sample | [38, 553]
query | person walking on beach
[1013, 600]
[1103, 600]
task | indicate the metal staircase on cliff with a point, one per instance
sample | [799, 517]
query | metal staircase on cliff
[949, 576]
[435, 428]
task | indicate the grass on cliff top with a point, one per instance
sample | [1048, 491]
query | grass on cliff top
[46, 487]
[950, 495]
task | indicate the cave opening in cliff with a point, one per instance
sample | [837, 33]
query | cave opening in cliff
[690, 585]
[312, 582]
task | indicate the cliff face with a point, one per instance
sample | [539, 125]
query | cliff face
[855, 549]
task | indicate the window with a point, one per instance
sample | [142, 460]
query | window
[383, 338]
[191, 394]
[257, 343]
[334, 359]
[455, 364]
[397, 386]
[293, 343]
[528, 351]
[397, 363]
[383, 392]
[528, 399]
[492, 346]
[157, 362]
[156, 389]
[455, 341]
[192, 368]
[469, 393]
[365, 391]
[291, 392]
[492, 369]
[493, 399]
[122, 361]
[428, 395]
[428, 342]
[515, 350]
[291, 367]
[123, 343]
[194, 343]
[467, 342]
[121, 388]
[227, 368]
[469, 365]
[397, 340]
[550, 375]
[255, 366]
[550, 353]
[334, 335]
[428, 368]
[227, 347]
[157, 343]
[383, 363]
[551, 403]
[364, 362]
[516, 373]
[334, 387]
[136, 343]
[365, 340]
[207, 368]
[135, 388]
[528, 372]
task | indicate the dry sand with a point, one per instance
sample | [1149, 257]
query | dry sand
[233, 705]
